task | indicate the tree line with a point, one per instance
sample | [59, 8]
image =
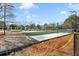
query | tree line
[32, 27]
[7, 13]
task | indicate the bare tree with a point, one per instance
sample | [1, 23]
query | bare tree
[6, 12]
[39, 27]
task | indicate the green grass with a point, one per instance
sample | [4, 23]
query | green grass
[39, 33]
[44, 32]
[16, 30]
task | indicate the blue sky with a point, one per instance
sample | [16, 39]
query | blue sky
[40, 13]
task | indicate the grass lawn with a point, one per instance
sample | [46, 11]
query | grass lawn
[45, 32]
[16, 30]
[39, 33]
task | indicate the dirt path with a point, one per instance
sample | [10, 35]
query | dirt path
[12, 41]
[49, 48]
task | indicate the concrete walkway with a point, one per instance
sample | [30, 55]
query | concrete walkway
[48, 36]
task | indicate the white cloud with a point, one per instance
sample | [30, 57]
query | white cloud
[28, 6]
[34, 16]
[63, 12]
[31, 16]
[74, 6]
